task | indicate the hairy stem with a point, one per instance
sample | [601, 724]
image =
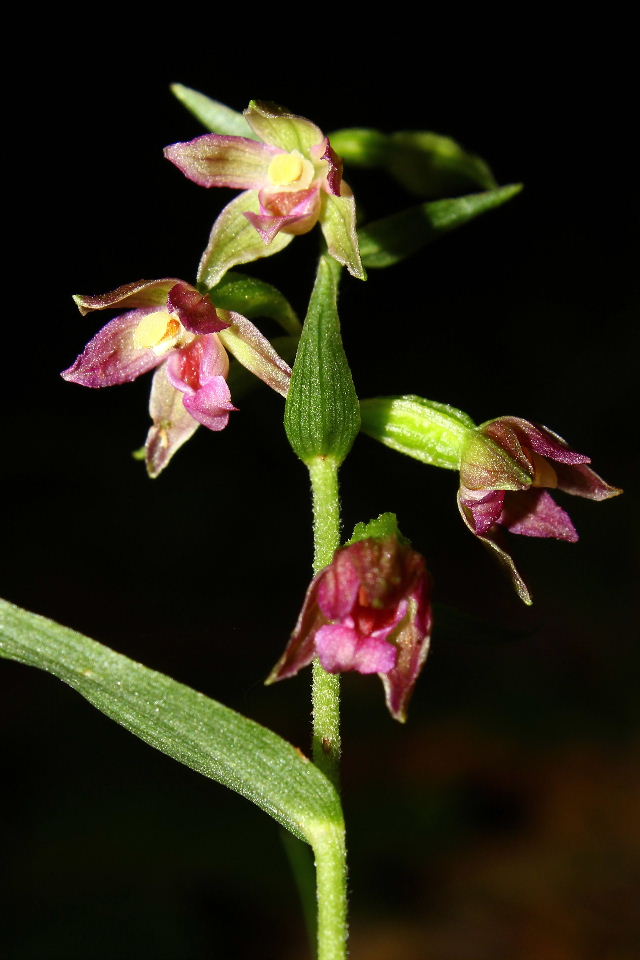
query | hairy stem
[325, 694]
[329, 847]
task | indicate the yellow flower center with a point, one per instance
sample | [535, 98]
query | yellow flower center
[290, 169]
[157, 331]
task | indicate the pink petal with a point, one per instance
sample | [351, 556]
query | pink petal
[338, 587]
[494, 541]
[300, 650]
[211, 404]
[111, 357]
[293, 211]
[540, 439]
[581, 481]
[196, 312]
[341, 648]
[194, 365]
[172, 424]
[534, 513]
[142, 293]
[411, 641]
[219, 161]
[483, 511]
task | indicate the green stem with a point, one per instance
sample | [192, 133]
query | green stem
[329, 844]
[325, 693]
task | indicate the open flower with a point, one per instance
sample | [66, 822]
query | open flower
[291, 180]
[368, 611]
[178, 331]
[505, 466]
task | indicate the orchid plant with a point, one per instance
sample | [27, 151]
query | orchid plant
[368, 605]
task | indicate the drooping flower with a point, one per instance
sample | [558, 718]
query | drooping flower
[506, 464]
[368, 611]
[290, 178]
[177, 331]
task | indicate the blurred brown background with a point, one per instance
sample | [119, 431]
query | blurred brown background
[502, 821]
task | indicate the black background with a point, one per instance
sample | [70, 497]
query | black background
[506, 805]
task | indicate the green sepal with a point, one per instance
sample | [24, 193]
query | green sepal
[188, 726]
[254, 298]
[241, 381]
[322, 416]
[432, 432]
[215, 116]
[391, 239]
[386, 525]
[235, 240]
[487, 466]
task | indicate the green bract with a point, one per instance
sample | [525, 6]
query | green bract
[392, 239]
[322, 417]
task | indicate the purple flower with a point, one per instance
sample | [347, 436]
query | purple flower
[368, 611]
[505, 466]
[178, 332]
[290, 181]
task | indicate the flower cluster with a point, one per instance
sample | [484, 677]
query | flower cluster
[369, 611]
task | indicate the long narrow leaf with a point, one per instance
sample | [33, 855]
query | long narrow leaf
[186, 725]
[387, 241]
[213, 115]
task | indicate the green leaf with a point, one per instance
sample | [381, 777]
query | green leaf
[322, 416]
[431, 165]
[255, 298]
[432, 432]
[186, 725]
[425, 163]
[213, 115]
[387, 241]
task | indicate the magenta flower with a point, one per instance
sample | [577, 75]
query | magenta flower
[291, 180]
[368, 611]
[505, 466]
[178, 332]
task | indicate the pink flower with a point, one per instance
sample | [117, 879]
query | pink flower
[290, 181]
[505, 466]
[178, 332]
[368, 611]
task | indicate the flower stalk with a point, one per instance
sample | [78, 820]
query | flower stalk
[325, 692]
[329, 848]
